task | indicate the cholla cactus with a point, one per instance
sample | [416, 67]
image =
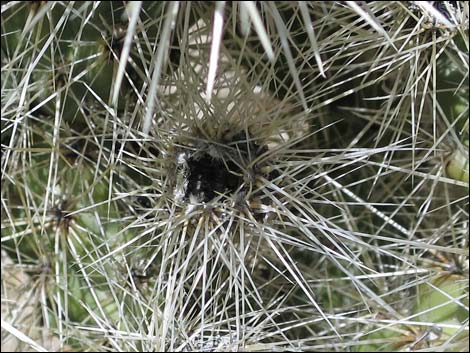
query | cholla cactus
[181, 176]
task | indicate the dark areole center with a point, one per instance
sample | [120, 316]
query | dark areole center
[209, 176]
